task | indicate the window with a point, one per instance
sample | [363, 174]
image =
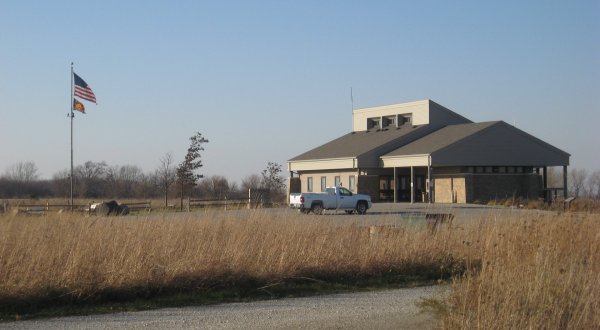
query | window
[374, 122]
[389, 121]
[323, 183]
[345, 192]
[351, 183]
[309, 184]
[488, 169]
[338, 181]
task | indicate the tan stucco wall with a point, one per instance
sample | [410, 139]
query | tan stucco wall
[330, 177]
[321, 164]
[418, 109]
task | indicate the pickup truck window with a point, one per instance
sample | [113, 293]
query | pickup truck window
[330, 191]
[345, 192]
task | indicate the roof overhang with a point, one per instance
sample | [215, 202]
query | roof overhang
[322, 164]
[404, 161]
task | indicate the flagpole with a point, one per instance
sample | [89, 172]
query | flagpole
[72, 115]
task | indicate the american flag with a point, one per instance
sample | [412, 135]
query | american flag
[83, 90]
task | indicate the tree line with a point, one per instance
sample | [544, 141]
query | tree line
[99, 180]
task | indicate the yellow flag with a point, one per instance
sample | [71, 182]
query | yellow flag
[78, 106]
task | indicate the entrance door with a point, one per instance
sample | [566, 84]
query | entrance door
[403, 188]
[386, 190]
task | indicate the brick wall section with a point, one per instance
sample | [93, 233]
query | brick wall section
[368, 185]
[471, 188]
[295, 185]
[488, 187]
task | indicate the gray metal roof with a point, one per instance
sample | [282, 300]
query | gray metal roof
[355, 144]
[487, 143]
[439, 139]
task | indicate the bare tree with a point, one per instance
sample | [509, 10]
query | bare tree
[185, 171]
[555, 178]
[62, 183]
[165, 174]
[90, 177]
[22, 172]
[252, 181]
[577, 181]
[216, 186]
[594, 184]
[126, 179]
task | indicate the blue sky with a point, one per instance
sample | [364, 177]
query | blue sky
[268, 80]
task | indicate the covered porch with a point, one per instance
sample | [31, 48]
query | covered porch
[405, 184]
[407, 179]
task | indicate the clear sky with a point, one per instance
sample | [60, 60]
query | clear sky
[268, 80]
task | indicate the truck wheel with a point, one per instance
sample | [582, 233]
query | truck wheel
[317, 208]
[361, 207]
[349, 211]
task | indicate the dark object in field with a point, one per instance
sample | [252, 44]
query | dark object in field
[110, 208]
[436, 220]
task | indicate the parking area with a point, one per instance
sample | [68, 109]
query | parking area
[405, 213]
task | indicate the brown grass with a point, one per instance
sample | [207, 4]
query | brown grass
[70, 258]
[540, 271]
[536, 273]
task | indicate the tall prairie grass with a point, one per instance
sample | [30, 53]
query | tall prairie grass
[69, 258]
[536, 273]
[535, 270]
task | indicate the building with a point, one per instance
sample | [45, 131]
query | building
[422, 151]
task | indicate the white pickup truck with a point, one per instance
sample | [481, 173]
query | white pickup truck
[334, 198]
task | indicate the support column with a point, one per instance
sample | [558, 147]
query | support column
[428, 187]
[395, 186]
[565, 192]
[412, 184]
[547, 195]
[545, 177]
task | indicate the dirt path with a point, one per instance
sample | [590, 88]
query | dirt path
[392, 309]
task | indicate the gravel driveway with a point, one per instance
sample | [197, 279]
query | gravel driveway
[391, 309]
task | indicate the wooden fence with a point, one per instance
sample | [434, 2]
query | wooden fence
[257, 198]
[42, 208]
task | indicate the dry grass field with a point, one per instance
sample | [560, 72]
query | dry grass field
[522, 272]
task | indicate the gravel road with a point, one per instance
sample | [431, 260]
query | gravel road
[391, 309]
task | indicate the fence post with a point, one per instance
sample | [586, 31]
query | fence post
[249, 198]
[188, 205]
